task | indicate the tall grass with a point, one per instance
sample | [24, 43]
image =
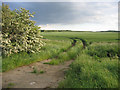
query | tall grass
[68, 55]
[50, 50]
[89, 72]
[104, 50]
[86, 72]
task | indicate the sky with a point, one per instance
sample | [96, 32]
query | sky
[76, 16]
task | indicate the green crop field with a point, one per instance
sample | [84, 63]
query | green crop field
[95, 54]
[90, 36]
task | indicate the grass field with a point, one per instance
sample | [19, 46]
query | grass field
[95, 55]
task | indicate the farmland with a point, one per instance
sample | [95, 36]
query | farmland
[95, 56]
[97, 65]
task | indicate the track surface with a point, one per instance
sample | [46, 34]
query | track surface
[23, 78]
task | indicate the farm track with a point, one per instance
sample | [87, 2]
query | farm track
[72, 45]
[23, 78]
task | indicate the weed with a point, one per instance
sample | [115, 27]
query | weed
[34, 70]
[41, 71]
[10, 85]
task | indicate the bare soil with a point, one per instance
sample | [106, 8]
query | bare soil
[22, 77]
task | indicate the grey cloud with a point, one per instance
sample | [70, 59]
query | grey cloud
[62, 12]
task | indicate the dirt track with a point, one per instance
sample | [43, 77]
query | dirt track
[23, 78]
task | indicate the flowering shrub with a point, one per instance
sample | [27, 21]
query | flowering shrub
[19, 33]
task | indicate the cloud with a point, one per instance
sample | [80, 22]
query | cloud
[72, 13]
[61, 0]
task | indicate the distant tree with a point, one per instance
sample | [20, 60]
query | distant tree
[19, 33]
[42, 30]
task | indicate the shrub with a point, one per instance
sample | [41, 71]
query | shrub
[19, 32]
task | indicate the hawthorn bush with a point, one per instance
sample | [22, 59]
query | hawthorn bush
[19, 33]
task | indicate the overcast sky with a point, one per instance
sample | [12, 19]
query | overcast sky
[80, 16]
